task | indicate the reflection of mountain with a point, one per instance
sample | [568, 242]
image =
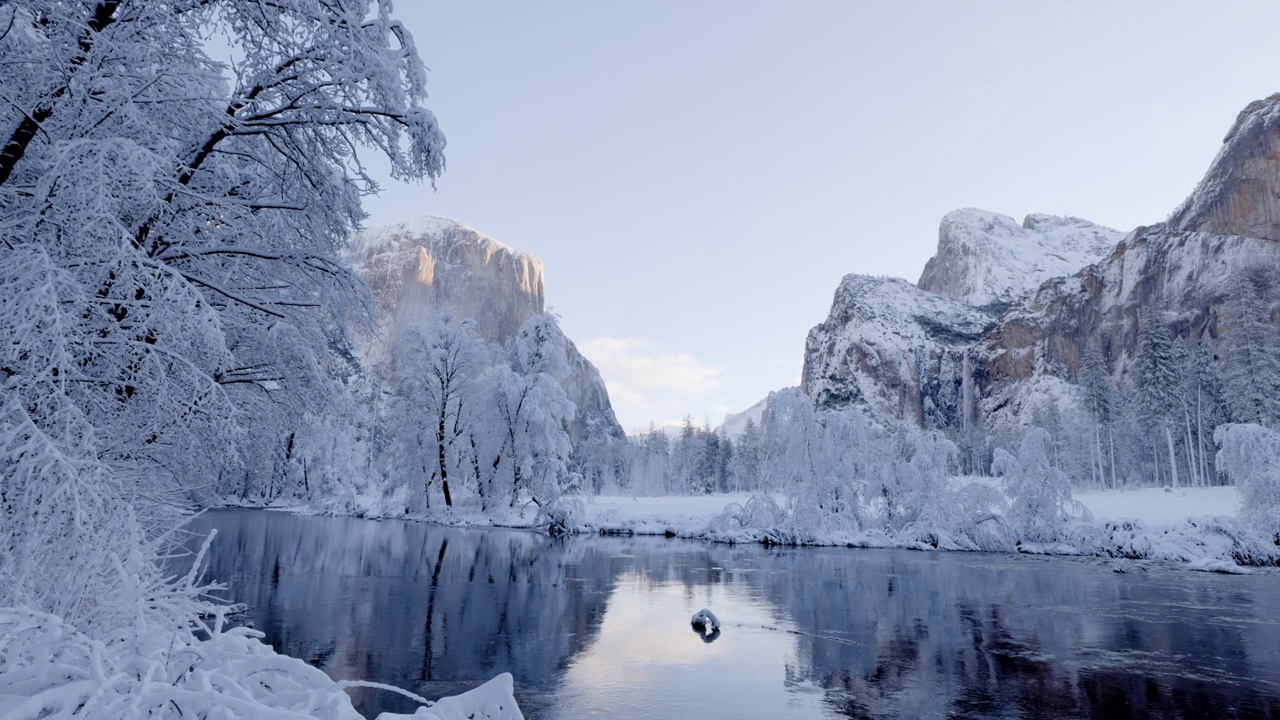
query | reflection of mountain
[871, 633]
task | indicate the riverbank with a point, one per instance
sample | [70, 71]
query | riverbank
[685, 515]
[1192, 526]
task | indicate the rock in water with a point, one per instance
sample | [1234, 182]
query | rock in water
[704, 618]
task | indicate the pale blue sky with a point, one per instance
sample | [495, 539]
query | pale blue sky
[698, 176]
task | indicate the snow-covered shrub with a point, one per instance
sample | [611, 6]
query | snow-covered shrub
[910, 487]
[49, 670]
[760, 512]
[1040, 504]
[561, 515]
[1249, 457]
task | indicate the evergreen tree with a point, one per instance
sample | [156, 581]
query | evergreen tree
[1157, 378]
[745, 463]
[1252, 358]
[1206, 403]
[1099, 392]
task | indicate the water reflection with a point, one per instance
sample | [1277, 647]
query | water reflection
[596, 627]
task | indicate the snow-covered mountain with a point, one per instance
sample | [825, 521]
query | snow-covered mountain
[1231, 222]
[416, 265]
[911, 354]
[986, 258]
[895, 349]
[735, 423]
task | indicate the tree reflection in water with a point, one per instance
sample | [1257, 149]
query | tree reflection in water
[582, 624]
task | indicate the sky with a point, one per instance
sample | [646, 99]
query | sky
[698, 176]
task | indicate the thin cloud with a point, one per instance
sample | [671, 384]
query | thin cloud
[646, 382]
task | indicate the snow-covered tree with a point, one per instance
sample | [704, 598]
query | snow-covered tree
[1039, 494]
[531, 414]
[745, 465]
[1099, 396]
[1249, 457]
[439, 364]
[1203, 407]
[1251, 372]
[912, 484]
[167, 223]
[1157, 370]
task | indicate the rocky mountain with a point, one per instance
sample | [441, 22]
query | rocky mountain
[893, 348]
[988, 259]
[875, 349]
[736, 423]
[417, 265]
[1229, 224]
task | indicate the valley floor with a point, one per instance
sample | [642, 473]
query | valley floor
[1160, 506]
[690, 515]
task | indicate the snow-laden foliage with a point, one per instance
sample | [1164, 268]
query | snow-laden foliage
[1249, 455]
[844, 478]
[64, 673]
[1251, 369]
[472, 425]
[166, 227]
[176, 325]
[51, 671]
[1040, 504]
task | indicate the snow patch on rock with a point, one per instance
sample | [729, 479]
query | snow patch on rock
[988, 259]
[736, 423]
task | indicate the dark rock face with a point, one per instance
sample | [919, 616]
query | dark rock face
[418, 265]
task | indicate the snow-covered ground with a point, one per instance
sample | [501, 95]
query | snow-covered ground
[690, 515]
[1197, 526]
[1192, 525]
[676, 514]
[1157, 506]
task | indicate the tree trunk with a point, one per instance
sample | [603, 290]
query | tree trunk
[440, 458]
[1111, 441]
[16, 146]
[1192, 465]
[1173, 459]
[1099, 470]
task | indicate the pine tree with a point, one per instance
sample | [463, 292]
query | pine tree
[1252, 358]
[745, 462]
[1157, 380]
[1200, 406]
[1099, 399]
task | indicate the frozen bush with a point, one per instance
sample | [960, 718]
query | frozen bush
[1040, 504]
[1249, 457]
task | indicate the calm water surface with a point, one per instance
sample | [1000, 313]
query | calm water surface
[595, 627]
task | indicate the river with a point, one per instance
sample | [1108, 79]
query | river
[598, 627]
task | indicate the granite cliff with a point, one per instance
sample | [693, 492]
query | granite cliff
[986, 259]
[417, 265]
[1079, 281]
